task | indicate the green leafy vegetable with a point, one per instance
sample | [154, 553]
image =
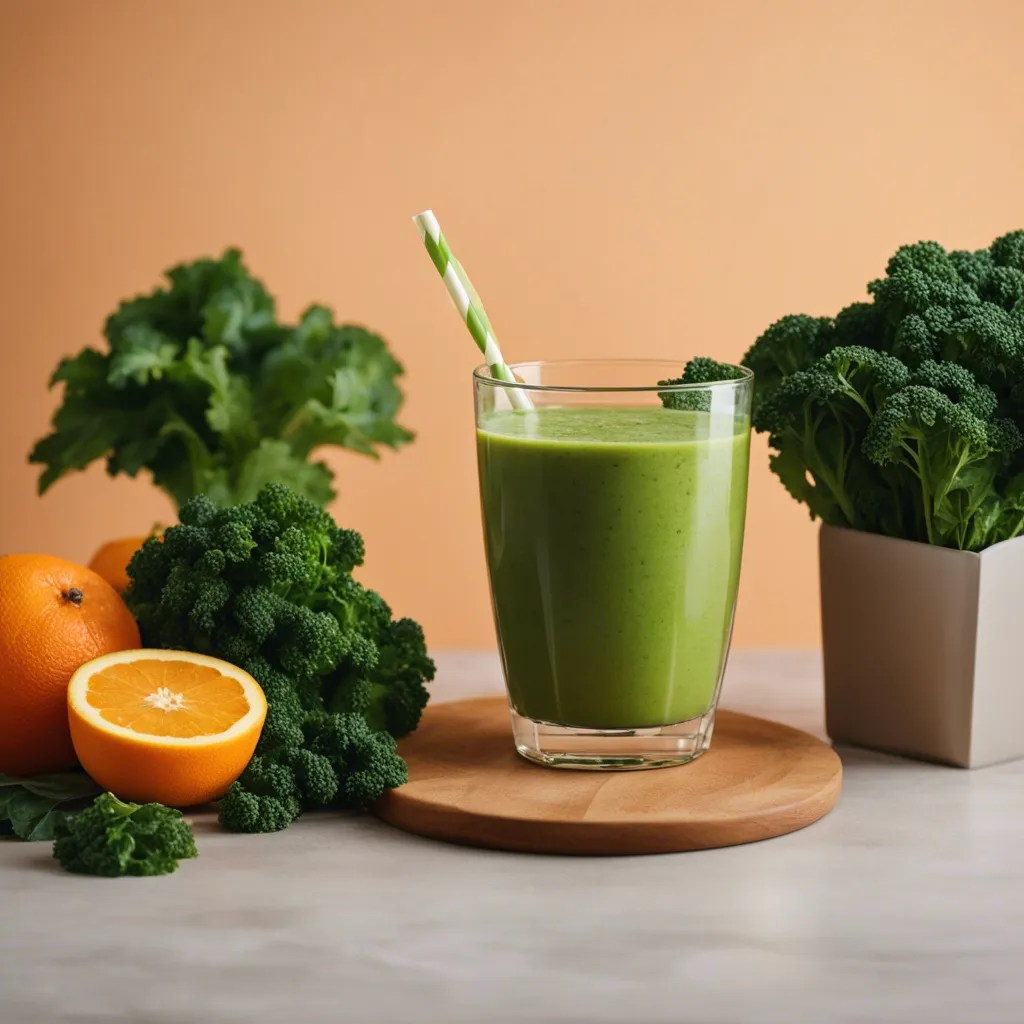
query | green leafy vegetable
[697, 371]
[268, 586]
[30, 808]
[204, 388]
[816, 417]
[113, 838]
[903, 415]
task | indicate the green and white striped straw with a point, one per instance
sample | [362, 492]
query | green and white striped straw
[467, 302]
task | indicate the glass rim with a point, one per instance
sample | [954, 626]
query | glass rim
[482, 374]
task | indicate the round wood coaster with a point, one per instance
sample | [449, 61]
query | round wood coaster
[468, 785]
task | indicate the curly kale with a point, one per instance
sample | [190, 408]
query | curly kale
[902, 415]
[202, 386]
[113, 838]
[268, 586]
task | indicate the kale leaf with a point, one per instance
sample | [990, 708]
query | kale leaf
[201, 386]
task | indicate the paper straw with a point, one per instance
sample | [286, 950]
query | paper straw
[468, 303]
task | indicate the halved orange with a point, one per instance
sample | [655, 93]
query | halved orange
[165, 726]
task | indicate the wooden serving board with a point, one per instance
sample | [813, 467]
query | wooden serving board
[468, 785]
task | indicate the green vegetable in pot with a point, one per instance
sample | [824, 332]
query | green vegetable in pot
[903, 415]
[113, 838]
[204, 388]
[268, 586]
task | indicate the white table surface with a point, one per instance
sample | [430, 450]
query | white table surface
[906, 903]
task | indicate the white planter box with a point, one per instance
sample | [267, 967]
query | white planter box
[923, 647]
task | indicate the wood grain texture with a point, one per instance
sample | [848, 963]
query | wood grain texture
[468, 785]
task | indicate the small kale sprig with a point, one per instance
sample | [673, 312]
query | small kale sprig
[204, 388]
[113, 838]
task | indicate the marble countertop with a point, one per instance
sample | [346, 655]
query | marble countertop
[906, 903]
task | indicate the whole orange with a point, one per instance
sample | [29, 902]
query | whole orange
[54, 617]
[111, 561]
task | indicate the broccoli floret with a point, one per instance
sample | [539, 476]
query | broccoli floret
[113, 838]
[919, 335]
[317, 777]
[1004, 287]
[343, 763]
[919, 277]
[392, 695]
[1008, 250]
[398, 678]
[953, 454]
[285, 710]
[959, 385]
[989, 341]
[268, 587]
[264, 799]
[816, 419]
[858, 324]
[974, 268]
[366, 762]
[700, 370]
[955, 306]
[790, 344]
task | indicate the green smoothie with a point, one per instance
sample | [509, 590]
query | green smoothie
[613, 539]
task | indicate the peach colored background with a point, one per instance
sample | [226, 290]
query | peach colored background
[625, 177]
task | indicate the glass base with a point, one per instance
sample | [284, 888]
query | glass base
[561, 746]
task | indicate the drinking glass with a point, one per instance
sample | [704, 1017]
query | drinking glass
[613, 514]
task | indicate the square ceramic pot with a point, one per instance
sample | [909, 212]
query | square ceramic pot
[923, 647]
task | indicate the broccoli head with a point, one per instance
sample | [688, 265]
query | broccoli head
[112, 838]
[700, 370]
[268, 586]
[923, 441]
